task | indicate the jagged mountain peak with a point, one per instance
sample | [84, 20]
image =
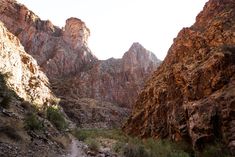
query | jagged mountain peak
[76, 33]
[138, 51]
[139, 57]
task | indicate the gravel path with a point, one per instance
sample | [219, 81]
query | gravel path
[76, 149]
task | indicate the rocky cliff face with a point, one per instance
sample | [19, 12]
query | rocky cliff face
[113, 80]
[192, 94]
[24, 96]
[21, 71]
[64, 56]
[59, 52]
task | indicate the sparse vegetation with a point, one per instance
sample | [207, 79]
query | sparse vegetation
[214, 150]
[83, 134]
[118, 147]
[92, 144]
[56, 118]
[33, 123]
[134, 150]
[80, 135]
[131, 147]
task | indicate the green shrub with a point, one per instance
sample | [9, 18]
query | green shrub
[164, 148]
[33, 123]
[118, 147]
[92, 144]
[80, 135]
[56, 118]
[133, 150]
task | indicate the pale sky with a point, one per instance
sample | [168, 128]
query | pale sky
[116, 24]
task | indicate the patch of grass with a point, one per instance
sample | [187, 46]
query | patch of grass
[33, 123]
[214, 150]
[80, 135]
[56, 118]
[163, 148]
[132, 147]
[92, 144]
[135, 150]
[118, 147]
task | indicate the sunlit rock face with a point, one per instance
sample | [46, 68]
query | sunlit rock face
[21, 72]
[76, 33]
[59, 52]
[191, 96]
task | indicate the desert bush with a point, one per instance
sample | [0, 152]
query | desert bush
[80, 135]
[164, 148]
[56, 118]
[92, 144]
[135, 150]
[33, 123]
[118, 147]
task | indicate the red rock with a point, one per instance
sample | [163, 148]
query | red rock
[191, 95]
[59, 52]
[113, 80]
[63, 54]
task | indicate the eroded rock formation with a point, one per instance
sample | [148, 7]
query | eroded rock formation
[22, 72]
[64, 56]
[113, 80]
[192, 94]
[59, 52]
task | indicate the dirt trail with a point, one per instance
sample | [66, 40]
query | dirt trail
[75, 149]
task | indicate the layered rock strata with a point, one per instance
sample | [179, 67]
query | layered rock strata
[64, 56]
[192, 94]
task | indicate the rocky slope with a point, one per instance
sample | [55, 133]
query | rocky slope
[192, 94]
[24, 96]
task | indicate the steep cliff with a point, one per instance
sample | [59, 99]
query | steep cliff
[24, 97]
[21, 71]
[191, 96]
[113, 80]
[64, 56]
[59, 52]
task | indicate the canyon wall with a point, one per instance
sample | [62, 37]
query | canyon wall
[191, 96]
